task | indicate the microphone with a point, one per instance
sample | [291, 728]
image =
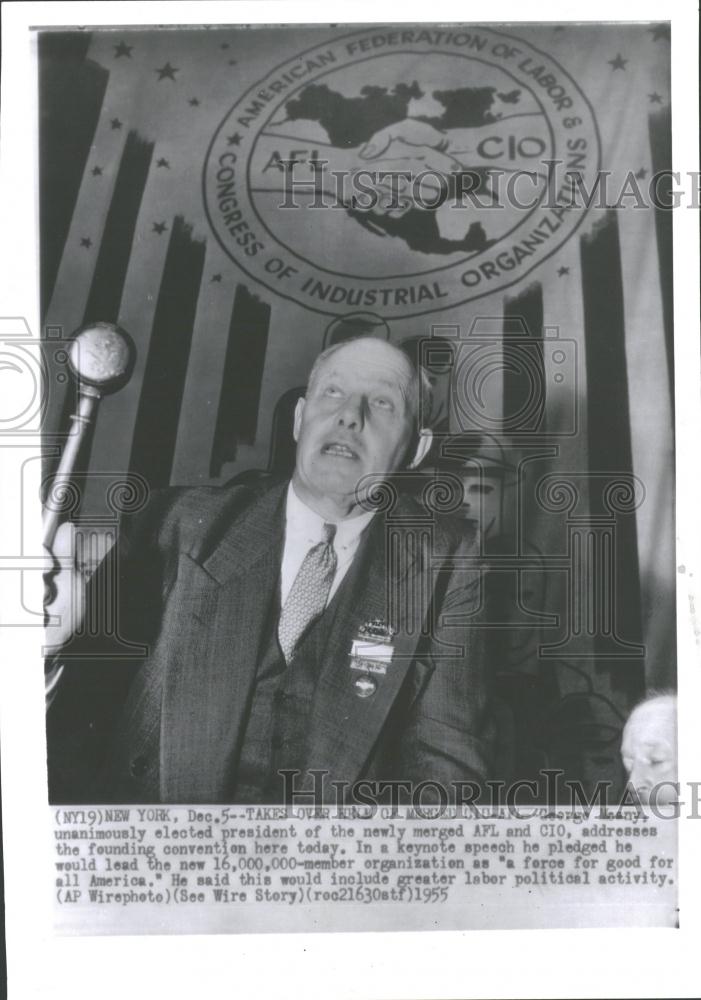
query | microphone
[101, 360]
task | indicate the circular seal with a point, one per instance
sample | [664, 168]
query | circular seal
[402, 171]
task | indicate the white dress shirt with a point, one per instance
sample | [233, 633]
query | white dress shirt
[304, 529]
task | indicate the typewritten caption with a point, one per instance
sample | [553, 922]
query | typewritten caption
[122, 869]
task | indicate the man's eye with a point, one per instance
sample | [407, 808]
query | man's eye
[332, 390]
[383, 403]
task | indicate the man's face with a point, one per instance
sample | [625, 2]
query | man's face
[648, 749]
[356, 420]
[482, 502]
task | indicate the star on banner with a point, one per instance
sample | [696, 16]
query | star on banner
[122, 50]
[163, 163]
[215, 277]
[96, 171]
[193, 102]
[562, 271]
[619, 62]
[234, 139]
[159, 227]
[167, 72]
[660, 31]
[115, 123]
[655, 98]
[641, 174]
[86, 242]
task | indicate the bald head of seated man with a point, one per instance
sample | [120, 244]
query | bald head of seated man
[649, 749]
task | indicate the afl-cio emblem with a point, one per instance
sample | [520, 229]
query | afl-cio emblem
[402, 170]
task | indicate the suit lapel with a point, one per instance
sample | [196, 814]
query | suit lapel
[217, 618]
[212, 633]
[345, 727]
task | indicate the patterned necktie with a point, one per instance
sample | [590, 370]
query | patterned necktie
[309, 594]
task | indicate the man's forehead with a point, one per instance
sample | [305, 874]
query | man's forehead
[387, 367]
[646, 739]
[375, 376]
[650, 723]
[663, 709]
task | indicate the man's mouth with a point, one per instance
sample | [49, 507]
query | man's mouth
[337, 449]
[468, 518]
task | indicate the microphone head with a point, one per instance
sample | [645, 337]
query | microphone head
[102, 356]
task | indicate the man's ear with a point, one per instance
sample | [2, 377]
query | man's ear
[299, 410]
[425, 441]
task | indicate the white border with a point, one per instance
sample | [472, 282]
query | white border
[589, 963]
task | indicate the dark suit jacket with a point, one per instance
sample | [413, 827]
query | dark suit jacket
[162, 720]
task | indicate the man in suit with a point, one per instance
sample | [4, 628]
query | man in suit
[302, 636]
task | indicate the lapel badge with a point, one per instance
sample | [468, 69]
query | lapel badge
[364, 686]
[371, 653]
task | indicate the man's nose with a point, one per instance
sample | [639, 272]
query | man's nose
[352, 414]
[639, 778]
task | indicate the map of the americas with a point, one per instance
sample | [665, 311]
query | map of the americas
[351, 122]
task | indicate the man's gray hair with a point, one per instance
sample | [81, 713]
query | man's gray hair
[420, 390]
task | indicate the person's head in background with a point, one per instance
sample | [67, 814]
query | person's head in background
[478, 463]
[649, 748]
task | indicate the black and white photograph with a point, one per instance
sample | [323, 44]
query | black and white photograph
[359, 566]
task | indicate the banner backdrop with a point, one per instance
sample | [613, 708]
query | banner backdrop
[491, 198]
